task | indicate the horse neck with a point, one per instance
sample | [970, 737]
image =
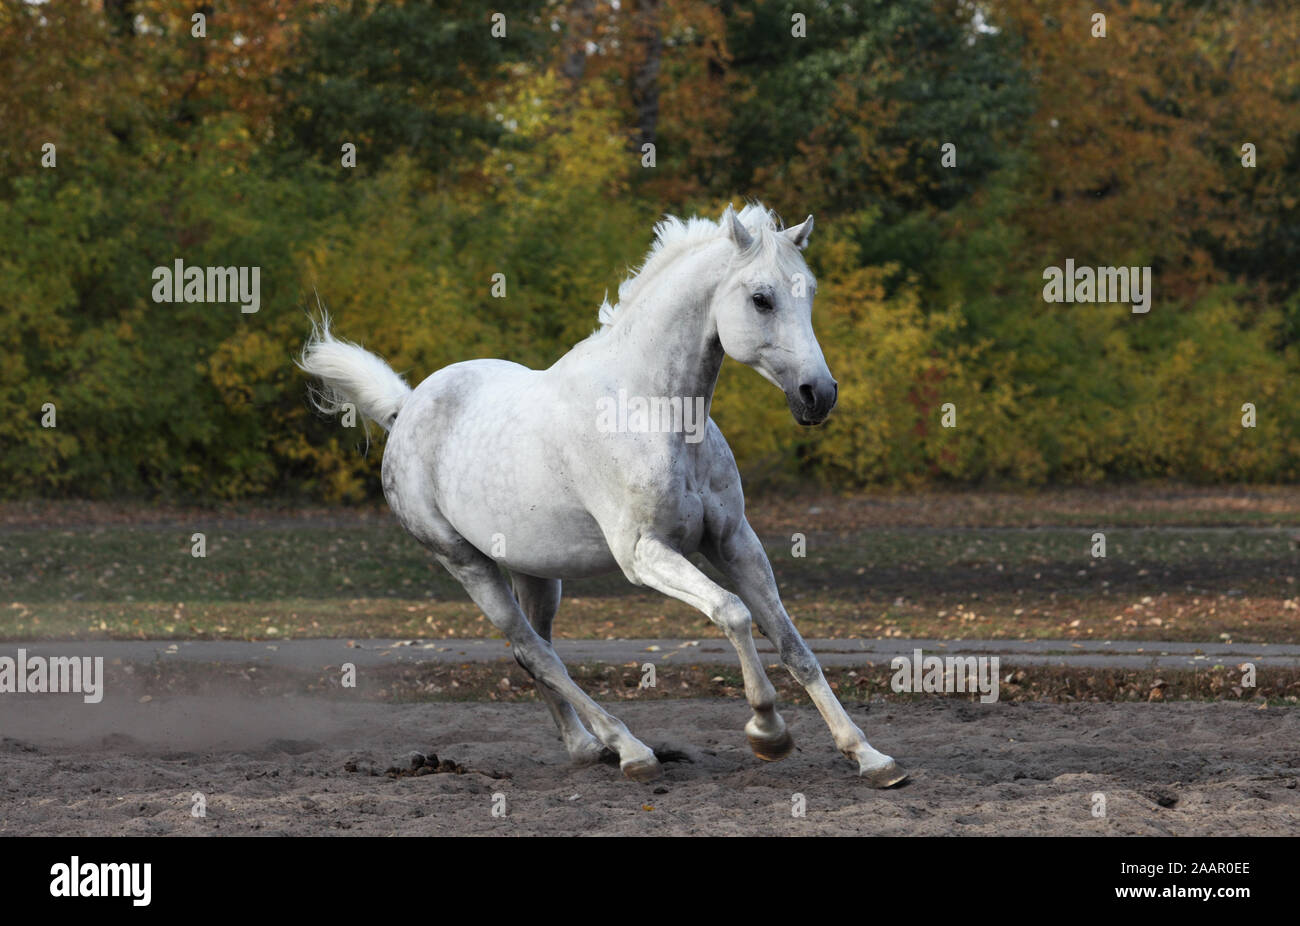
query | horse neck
[667, 343]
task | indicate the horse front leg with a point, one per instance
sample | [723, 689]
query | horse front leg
[660, 567]
[741, 557]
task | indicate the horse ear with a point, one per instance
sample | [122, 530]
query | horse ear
[801, 233]
[735, 231]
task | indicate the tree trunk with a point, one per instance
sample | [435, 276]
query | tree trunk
[645, 79]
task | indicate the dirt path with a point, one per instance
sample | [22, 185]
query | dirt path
[282, 766]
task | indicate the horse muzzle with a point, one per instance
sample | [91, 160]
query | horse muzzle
[812, 401]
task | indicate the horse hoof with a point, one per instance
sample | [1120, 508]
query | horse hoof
[772, 750]
[886, 776]
[643, 769]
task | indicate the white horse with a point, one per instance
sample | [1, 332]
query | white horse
[489, 463]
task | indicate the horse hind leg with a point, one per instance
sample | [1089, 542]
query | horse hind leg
[540, 599]
[487, 586]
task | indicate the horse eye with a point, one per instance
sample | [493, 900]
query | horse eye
[762, 302]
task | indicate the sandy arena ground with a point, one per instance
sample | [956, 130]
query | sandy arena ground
[282, 766]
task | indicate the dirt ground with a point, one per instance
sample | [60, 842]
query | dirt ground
[304, 766]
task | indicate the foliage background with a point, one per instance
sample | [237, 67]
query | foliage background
[521, 155]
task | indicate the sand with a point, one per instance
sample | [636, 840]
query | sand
[301, 766]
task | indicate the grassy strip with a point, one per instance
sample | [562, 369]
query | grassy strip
[369, 579]
[1169, 617]
[378, 560]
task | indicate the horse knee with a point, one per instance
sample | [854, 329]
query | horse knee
[733, 617]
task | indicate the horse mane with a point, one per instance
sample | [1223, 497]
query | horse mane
[674, 238]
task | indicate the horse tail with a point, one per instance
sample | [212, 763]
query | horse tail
[350, 374]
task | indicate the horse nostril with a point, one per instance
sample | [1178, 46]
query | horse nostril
[835, 392]
[808, 394]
